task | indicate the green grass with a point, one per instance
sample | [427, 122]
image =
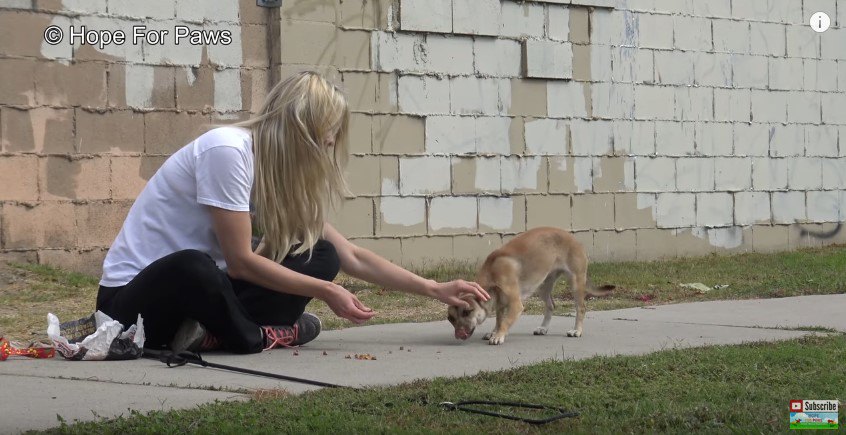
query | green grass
[53, 275]
[754, 275]
[30, 291]
[723, 389]
[804, 272]
[748, 276]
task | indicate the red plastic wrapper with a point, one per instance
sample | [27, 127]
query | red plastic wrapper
[31, 350]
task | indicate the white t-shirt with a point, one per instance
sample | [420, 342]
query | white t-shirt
[171, 213]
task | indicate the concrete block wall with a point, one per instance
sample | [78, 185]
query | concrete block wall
[82, 126]
[649, 128]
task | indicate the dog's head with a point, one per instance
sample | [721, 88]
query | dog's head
[465, 320]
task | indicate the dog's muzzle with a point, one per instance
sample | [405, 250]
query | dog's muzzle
[462, 334]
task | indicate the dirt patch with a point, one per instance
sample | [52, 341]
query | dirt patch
[12, 282]
[28, 292]
[9, 277]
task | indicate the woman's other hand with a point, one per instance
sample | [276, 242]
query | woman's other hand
[345, 304]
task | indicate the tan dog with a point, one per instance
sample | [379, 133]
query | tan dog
[530, 263]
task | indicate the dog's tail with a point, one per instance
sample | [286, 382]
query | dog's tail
[600, 291]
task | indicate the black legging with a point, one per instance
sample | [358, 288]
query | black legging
[188, 284]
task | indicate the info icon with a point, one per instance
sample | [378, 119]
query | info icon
[795, 406]
[820, 22]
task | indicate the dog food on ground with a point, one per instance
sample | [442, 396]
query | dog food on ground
[361, 356]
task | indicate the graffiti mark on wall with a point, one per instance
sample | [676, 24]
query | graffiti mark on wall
[822, 234]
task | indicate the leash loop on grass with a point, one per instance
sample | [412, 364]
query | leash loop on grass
[562, 413]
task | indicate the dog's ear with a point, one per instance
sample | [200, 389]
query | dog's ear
[472, 301]
[467, 297]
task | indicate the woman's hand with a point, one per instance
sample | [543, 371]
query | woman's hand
[451, 292]
[367, 266]
[345, 304]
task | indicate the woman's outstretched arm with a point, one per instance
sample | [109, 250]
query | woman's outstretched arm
[366, 265]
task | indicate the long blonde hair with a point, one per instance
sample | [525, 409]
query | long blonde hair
[297, 177]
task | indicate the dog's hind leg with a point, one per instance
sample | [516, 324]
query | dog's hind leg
[545, 293]
[578, 286]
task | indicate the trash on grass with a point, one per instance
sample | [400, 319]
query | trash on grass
[96, 338]
[645, 298]
[698, 286]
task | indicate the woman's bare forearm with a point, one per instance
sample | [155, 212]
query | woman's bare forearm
[377, 270]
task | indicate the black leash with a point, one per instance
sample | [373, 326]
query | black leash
[182, 358]
[461, 406]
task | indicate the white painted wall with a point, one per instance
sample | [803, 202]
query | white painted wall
[729, 114]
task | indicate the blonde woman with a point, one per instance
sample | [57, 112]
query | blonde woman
[185, 257]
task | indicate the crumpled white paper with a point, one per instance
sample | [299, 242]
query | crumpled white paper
[97, 346]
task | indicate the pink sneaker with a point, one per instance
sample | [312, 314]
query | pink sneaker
[306, 329]
[193, 337]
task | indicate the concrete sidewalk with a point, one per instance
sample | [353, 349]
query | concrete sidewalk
[35, 391]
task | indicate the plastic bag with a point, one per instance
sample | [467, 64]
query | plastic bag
[96, 338]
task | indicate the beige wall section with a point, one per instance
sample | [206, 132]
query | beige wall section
[82, 129]
[662, 129]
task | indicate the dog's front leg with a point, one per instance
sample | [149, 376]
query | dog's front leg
[505, 319]
[500, 315]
